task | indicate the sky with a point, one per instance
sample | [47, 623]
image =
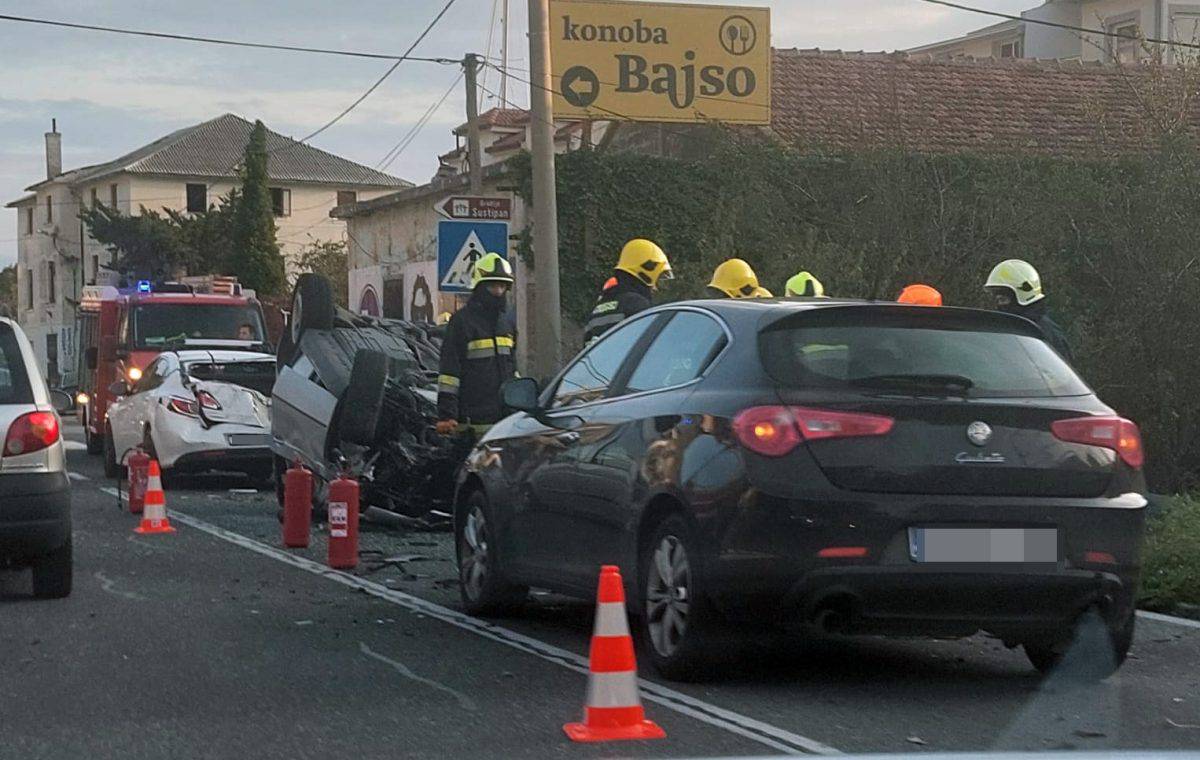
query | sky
[113, 93]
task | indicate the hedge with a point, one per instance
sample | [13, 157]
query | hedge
[1116, 242]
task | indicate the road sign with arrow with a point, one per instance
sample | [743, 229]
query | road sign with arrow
[475, 207]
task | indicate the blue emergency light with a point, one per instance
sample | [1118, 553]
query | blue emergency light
[143, 286]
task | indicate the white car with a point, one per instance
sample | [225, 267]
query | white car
[35, 495]
[196, 410]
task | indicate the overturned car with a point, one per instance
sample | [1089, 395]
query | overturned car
[358, 394]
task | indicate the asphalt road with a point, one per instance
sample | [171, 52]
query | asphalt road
[213, 641]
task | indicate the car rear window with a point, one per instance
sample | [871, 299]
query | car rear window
[14, 382]
[888, 350]
[256, 375]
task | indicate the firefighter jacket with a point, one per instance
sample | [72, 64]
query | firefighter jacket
[477, 357]
[622, 296]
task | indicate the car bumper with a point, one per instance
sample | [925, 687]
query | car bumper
[768, 565]
[35, 515]
[195, 448]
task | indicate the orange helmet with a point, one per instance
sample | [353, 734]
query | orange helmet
[920, 295]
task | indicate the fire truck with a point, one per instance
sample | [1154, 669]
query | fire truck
[122, 330]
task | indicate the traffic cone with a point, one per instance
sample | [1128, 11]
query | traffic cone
[154, 514]
[614, 707]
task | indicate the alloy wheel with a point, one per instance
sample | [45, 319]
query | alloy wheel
[473, 550]
[668, 595]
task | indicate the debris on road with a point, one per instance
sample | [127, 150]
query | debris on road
[916, 740]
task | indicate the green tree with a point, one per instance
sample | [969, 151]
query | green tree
[258, 261]
[146, 245]
[329, 258]
[8, 290]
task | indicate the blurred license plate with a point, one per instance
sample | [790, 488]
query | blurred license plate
[974, 545]
[248, 439]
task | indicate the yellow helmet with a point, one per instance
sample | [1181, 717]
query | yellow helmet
[491, 268]
[804, 284]
[736, 279]
[646, 261]
[1020, 277]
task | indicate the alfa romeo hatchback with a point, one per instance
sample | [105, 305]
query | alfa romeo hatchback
[851, 467]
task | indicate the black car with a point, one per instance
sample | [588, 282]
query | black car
[851, 466]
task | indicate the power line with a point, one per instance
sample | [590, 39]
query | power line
[239, 43]
[217, 41]
[411, 135]
[1057, 25]
[386, 74]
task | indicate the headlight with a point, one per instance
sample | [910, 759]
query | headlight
[134, 374]
[82, 398]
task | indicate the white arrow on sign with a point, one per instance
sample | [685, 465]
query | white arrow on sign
[459, 273]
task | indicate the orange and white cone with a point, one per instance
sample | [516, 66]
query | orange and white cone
[154, 511]
[614, 707]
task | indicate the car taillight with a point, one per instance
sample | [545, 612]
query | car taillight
[184, 406]
[767, 430]
[207, 400]
[775, 430]
[1116, 433]
[31, 432]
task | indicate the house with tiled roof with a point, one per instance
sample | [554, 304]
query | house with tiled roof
[1045, 31]
[187, 170]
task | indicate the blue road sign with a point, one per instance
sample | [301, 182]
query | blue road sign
[461, 244]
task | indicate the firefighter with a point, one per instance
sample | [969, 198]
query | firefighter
[477, 351]
[804, 285]
[1017, 288]
[639, 268]
[734, 278]
[920, 295]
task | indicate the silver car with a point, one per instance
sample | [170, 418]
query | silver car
[35, 494]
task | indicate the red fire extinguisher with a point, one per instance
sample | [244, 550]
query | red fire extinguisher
[343, 523]
[297, 506]
[138, 465]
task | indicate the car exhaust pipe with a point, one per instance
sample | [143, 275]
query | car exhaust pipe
[835, 614]
[831, 621]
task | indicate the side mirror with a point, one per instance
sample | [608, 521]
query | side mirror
[91, 357]
[521, 394]
[118, 388]
[61, 400]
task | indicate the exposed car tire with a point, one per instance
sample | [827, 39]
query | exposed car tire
[1091, 651]
[95, 443]
[481, 581]
[52, 574]
[677, 620]
[362, 404]
[287, 347]
[112, 469]
[312, 305]
[280, 466]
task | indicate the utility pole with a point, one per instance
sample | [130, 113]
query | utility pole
[547, 327]
[474, 153]
[504, 55]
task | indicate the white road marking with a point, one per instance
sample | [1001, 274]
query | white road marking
[464, 701]
[77, 476]
[764, 733]
[108, 585]
[74, 445]
[1168, 619]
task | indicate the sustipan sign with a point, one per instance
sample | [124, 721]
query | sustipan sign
[660, 61]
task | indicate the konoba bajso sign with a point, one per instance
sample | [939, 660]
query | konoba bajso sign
[660, 61]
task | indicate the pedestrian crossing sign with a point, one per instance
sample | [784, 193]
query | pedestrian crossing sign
[461, 244]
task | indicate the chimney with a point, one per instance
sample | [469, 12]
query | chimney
[53, 151]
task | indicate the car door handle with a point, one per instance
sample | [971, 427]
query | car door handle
[569, 437]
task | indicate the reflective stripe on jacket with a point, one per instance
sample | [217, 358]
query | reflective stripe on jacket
[477, 357]
[622, 296]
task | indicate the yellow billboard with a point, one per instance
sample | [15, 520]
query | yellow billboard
[660, 61]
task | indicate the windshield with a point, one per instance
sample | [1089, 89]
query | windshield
[976, 363]
[158, 324]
